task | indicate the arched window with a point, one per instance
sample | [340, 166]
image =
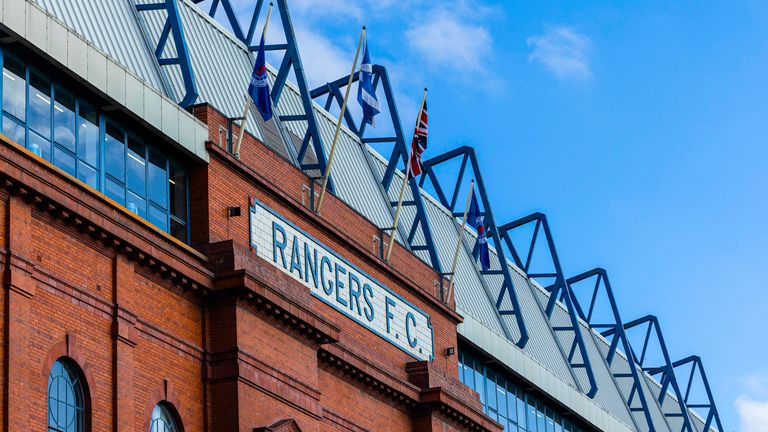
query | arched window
[66, 400]
[164, 419]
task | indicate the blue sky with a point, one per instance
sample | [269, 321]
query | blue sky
[639, 128]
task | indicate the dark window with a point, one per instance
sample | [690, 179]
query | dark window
[164, 419]
[53, 122]
[66, 399]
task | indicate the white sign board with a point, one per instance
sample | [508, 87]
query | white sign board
[340, 284]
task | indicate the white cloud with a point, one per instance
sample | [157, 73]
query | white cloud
[323, 60]
[563, 51]
[753, 414]
[445, 40]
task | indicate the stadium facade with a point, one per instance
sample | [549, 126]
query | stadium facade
[155, 280]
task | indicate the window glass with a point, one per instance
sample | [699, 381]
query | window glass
[479, 381]
[162, 419]
[178, 186]
[115, 190]
[88, 134]
[540, 417]
[531, 408]
[158, 183]
[14, 88]
[490, 389]
[178, 230]
[137, 166]
[64, 160]
[39, 145]
[88, 175]
[14, 131]
[501, 397]
[136, 204]
[40, 105]
[66, 402]
[64, 119]
[114, 147]
[158, 217]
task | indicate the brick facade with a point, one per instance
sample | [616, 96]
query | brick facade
[227, 339]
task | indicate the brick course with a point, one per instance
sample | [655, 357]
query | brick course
[231, 342]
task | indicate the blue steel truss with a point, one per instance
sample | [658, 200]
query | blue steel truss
[290, 60]
[710, 407]
[619, 336]
[333, 90]
[666, 370]
[558, 290]
[467, 154]
[173, 27]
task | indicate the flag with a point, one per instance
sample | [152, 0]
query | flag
[476, 220]
[419, 143]
[365, 94]
[259, 86]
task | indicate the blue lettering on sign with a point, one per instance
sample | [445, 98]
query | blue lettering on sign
[278, 244]
[340, 284]
[409, 318]
[389, 302]
[327, 283]
[295, 264]
[354, 292]
[310, 265]
[368, 297]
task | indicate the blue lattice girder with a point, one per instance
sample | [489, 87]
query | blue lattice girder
[710, 407]
[291, 61]
[500, 267]
[636, 392]
[559, 290]
[665, 370]
[333, 93]
[174, 28]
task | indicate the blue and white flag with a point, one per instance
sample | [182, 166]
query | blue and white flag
[365, 94]
[477, 221]
[259, 86]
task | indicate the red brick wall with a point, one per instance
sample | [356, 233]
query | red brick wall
[148, 319]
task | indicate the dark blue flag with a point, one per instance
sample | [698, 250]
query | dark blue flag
[365, 94]
[477, 221]
[259, 86]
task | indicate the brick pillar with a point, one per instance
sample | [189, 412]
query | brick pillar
[124, 336]
[20, 289]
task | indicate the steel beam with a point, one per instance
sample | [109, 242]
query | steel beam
[666, 369]
[291, 61]
[636, 390]
[500, 267]
[174, 28]
[559, 290]
[711, 409]
[333, 93]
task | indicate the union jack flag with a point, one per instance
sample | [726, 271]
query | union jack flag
[419, 143]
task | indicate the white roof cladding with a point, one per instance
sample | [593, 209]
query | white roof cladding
[87, 60]
[222, 66]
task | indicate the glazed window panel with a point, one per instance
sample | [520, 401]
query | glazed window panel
[40, 105]
[64, 119]
[88, 134]
[51, 120]
[66, 401]
[14, 88]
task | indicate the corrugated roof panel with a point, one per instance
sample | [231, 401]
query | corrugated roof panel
[111, 26]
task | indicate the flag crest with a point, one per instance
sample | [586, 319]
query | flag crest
[366, 96]
[258, 89]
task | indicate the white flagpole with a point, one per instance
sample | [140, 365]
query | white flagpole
[405, 182]
[328, 166]
[243, 123]
[458, 243]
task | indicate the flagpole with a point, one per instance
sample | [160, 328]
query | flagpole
[458, 242]
[236, 150]
[328, 166]
[405, 181]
